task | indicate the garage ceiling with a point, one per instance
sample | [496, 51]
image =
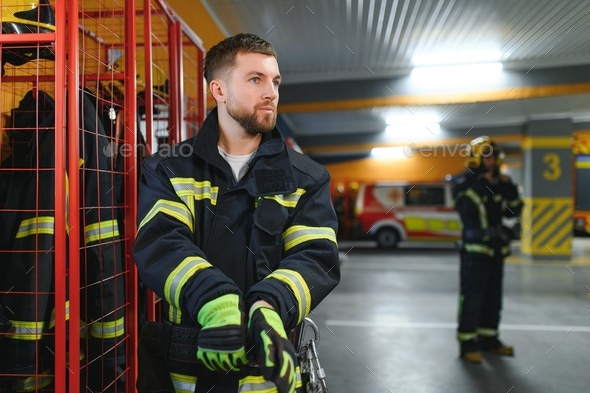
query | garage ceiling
[324, 45]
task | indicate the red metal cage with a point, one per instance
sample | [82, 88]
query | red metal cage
[88, 87]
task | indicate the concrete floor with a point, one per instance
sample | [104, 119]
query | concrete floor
[390, 325]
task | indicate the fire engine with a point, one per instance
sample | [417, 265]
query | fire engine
[393, 212]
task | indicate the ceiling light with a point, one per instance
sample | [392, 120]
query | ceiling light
[457, 57]
[465, 73]
[417, 130]
[397, 152]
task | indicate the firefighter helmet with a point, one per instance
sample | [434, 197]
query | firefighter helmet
[22, 17]
[483, 147]
[25, 16]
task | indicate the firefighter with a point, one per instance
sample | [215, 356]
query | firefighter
[237, 234]
[482, 197]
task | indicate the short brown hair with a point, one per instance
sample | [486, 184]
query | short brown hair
[223, 54]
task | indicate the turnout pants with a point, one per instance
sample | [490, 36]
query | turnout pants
[481, 295]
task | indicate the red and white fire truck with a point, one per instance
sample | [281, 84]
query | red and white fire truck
[394, 212]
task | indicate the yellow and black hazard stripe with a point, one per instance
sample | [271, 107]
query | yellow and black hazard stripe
[547, 226]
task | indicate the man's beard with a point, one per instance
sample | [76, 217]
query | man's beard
[250, 122]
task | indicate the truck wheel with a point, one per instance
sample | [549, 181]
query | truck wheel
[387, 238]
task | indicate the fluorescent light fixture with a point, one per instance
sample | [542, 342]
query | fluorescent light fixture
[395, 119]
[456, 74]
[457, 57]
[423, 128]
[397, 152]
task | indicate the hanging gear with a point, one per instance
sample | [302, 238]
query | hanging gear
[312, 373]
[27, 239]
[24, 17]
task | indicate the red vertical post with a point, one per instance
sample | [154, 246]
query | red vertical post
[60, 197]
[149, 85]
[176, 118]
[180, 84]
[73, 159]
[149, 114]
[130, 138]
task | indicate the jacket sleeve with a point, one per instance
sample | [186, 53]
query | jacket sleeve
[309, 269]
[168, 260]
[463, 196]
[513, 203]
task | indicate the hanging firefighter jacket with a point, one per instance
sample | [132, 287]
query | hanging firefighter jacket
[27, 217]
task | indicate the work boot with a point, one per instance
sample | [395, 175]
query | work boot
[495, 346]
[470, 351]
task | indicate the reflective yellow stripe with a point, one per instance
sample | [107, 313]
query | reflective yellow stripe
[514, 203]
[466, 336]
[32, 384]
[173, 209]
[109, 329]
[249, 384]
[298, 234]
[179, 276]
[483, 218]
[52, 318]
[505, 250]
[174, 314]
[36, 225]
[199, 190]
[298, 286]
[479, 249]
[183, 383]
[487, 332]
[287, 200]
[25, 330]
[257, 384]
[101, 231]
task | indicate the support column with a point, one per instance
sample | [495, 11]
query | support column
[547, 218]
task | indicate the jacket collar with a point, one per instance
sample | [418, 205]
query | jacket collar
[271, 171]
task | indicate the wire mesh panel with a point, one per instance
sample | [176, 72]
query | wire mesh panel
[193, 105]
[27, 202]
[172, 107]
[102, 252]
[63, 197]
[153, 70]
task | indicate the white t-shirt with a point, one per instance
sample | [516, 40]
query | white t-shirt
[238, 164]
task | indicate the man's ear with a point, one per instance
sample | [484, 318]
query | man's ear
[217, 88]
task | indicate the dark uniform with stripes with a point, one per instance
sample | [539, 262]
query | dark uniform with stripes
[27, 217]
[273, 233]
[481, 206]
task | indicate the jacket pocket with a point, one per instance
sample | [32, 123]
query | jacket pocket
[269, 221]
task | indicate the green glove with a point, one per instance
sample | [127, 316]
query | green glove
[274, 353]
[222, 337]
